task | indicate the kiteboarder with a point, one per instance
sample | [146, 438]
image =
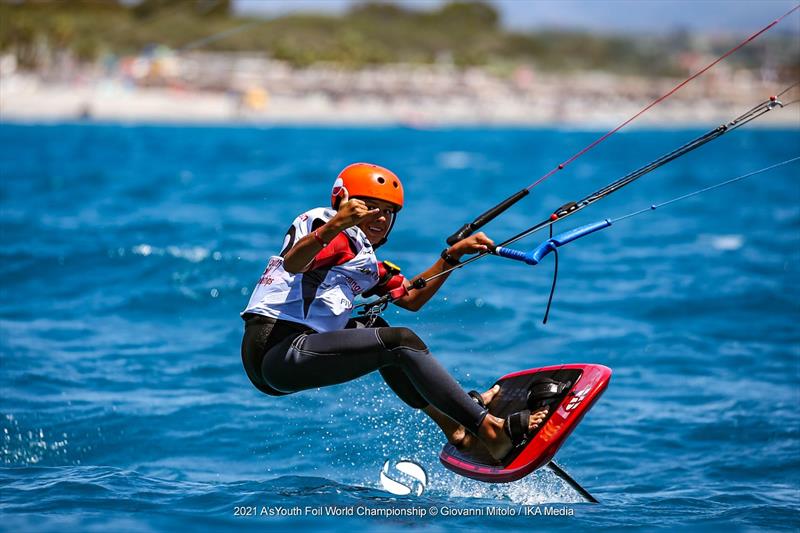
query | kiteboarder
[299, 334]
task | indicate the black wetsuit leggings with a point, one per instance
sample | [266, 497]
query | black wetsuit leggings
[282, 357]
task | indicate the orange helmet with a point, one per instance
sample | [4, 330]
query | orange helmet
[370, 181]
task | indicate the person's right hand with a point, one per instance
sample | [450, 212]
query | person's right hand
[353, 212]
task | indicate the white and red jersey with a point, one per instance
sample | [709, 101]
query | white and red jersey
[322, 297]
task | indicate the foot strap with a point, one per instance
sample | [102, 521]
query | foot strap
[516, 426]
[475, 395]
[542, 391]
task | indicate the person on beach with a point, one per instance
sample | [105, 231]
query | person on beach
[299, 334]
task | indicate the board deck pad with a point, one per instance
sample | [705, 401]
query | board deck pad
[586, 383]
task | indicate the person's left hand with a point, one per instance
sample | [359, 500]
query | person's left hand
[471, 245]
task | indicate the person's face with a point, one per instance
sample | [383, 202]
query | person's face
[377, 228]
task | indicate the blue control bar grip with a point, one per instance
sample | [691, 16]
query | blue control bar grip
[535, 256]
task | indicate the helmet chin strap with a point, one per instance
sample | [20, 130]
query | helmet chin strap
[386, 237]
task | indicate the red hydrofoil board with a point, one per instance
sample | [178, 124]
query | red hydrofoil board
[584, 385]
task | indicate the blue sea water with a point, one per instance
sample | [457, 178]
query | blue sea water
[128, 252]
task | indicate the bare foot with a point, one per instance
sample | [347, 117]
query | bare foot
[493, 436]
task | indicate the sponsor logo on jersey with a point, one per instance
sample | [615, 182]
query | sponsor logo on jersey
[354, 286]
[368, 272]
[266, 278]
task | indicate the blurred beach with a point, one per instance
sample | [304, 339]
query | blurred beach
[49, 74]
[265, 91]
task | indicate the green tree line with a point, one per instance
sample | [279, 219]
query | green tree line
[465, 33]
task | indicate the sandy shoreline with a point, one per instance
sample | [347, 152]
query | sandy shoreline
[24, 98]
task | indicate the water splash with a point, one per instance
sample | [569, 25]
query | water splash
[24, 447]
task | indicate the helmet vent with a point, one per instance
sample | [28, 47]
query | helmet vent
[396, 185]
[381, 180]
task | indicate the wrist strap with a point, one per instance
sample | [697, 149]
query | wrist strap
[319, 239]
[449, 259]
